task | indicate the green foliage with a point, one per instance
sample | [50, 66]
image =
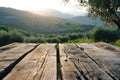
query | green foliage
[5, 28]
[117, 43]
[103, 8]
[81, 40]
[15, 36]
[9, 37]
[64, 39]
[4, 38]
[107, 10]
[106, 35]
[36, 23]
[53, 40]
[30, 39]
[75, 36]
[33, 39]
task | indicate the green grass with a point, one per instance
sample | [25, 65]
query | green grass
[81, 40]
[117, 43]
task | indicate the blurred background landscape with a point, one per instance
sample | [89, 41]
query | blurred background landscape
[53, 26]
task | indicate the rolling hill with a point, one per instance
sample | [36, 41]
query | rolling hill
[87, 20]
[53, 13]
[42, 24]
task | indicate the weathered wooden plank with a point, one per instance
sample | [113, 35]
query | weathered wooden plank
[40, 64]
[9, 46]
[108, 47]
[105, 59]
[67, 68]
[77, 65]
[9, 56]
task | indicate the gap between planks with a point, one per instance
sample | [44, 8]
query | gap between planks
[40, 64]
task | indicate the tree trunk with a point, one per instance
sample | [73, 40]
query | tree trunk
[117, 22]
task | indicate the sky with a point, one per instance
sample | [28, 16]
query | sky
[32, 5]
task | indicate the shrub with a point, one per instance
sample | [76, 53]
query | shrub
[105, 35]
[41, 40]
[80, 40]
[73, 36]
[53, 40]
[63, 39]
[5, 28]
[15, 36]
[117, 43]
[30, 39]
[4, 38]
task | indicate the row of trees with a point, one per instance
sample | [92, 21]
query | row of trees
[9, 35]
[100, 34]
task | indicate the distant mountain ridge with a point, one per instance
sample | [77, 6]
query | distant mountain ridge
[80, 19]
[52, 12]
[29, 21]
[87, 20]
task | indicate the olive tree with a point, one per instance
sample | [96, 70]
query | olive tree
[107, 10]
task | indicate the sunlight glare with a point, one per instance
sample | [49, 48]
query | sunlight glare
[42, 4]
[30, 4]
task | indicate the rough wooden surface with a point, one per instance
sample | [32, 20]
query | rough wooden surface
[88, 62]
[12, 52]
[80, 61]
[9, 46]
[107, 59]
[40, 64]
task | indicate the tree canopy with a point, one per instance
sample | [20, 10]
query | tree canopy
[107, 10]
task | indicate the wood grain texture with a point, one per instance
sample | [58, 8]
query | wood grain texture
[80, 61]
[40, 64]
[12, 52]
[9, 46]
[107, 60]
[77, 65]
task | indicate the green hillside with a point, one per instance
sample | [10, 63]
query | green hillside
[42, 24]
[9, 35]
